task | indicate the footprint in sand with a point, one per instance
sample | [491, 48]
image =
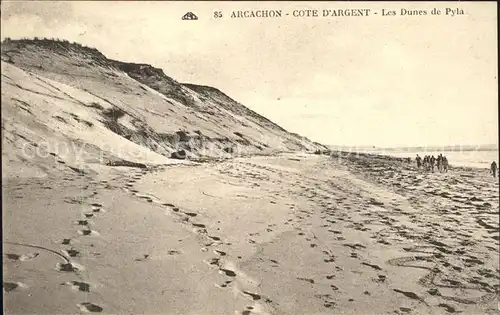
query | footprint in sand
[228, 272]
[329, 304]
[335, 232]
[68, 267]
[87, 232]
[448, 308]
[225, 284]
[144, 257]
[410, 295]
[148, 199]
[97, 209]
[23, 257]
[311, 281]
[71, 252]
[213, 261]
[77, 285]
[253, 296]
[371, 265]
[329, 260]
[66, 241]
[404, 310]
[381, 278]
[11, 286]
[89, 307]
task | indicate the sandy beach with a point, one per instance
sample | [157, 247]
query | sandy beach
[281, 234]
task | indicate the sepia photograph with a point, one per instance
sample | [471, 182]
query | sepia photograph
[250, 157]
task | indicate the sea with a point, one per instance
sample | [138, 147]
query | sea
[467, 157]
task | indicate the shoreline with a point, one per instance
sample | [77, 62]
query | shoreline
[388, 157]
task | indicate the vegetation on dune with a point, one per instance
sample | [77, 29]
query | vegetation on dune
[206, 102]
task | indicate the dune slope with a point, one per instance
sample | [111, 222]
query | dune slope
[65, 95]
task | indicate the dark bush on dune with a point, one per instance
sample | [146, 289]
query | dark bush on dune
[182, 136]
[180, 155]
[113, 113]
[95, 105]
[126, 163]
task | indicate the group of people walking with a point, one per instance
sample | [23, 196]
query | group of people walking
[429, 162]
[441, 163]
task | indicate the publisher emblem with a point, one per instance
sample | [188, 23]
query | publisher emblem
[189, 16]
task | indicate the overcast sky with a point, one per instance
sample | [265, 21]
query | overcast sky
[384, 81]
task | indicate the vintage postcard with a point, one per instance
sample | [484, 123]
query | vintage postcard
[250, 157]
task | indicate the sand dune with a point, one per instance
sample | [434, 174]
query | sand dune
[100, 217]
[74, 99]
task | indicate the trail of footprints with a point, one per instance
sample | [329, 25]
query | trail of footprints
[439, 256]
[189, 218]
[85, 229]
[69, 251]
[332, 201]
[339, 200]
[300, 217]
[12, 286]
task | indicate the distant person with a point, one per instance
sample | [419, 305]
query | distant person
[432, 160]
[419, 161]
[494, 168]
[445, 164]
[439, 162]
